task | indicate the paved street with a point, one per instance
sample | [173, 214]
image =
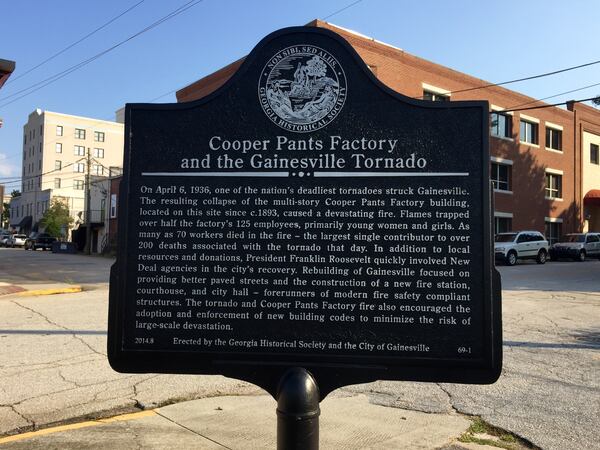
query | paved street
[53, 364]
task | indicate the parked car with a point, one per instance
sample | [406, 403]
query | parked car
[16, 240]
[4, 236]
[510, 247]
[39, 240]
[577, 246]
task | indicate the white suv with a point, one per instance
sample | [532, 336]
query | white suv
[508, 247]
[577, 246]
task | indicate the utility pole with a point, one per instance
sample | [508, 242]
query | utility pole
[88, 206]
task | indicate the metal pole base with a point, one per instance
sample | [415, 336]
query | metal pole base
[298, 411]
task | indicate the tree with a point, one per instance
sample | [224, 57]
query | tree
[57, 218]
[596, 101]
[316, 67]
[15, 193]
[5, 214]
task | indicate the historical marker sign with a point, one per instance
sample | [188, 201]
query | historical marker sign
[306, 215]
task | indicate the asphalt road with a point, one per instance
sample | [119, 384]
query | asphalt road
[53, 364]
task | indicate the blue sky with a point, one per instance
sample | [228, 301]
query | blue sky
[495, 41]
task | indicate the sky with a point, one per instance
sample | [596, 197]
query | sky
[494, 41]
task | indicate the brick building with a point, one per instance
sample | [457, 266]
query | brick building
[544, 162]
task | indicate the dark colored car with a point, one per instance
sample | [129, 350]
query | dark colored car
[39, 240]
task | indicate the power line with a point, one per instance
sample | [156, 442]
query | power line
[541, 75]
[342, 9]
[41, 84]
[545, 106]
[13, 79]
[555, 95]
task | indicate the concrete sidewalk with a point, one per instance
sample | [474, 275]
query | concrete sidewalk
[249, 422]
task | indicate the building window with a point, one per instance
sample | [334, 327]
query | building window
[39, 164]
[79, 150]
[500, 176]
[97, 169]
[79, 167]
[502, 224]
[59, 130]
[78, 185]
[41, 148]
[594, 154]
[553, 185]
[57, 165]
[41, 130]
[99, 136]
[529, 132]
[553, 231]
[79, 133]
[501, 125]
[113, 206]
[554, 139]
[435, 97]
[25, 139]
[57, 183]
[58, 147]
[98, 153]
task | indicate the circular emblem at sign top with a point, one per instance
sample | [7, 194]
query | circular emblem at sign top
[302, 88]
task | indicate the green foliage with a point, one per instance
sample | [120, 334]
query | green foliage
[15, 193]
[56, 218]
[5, 213]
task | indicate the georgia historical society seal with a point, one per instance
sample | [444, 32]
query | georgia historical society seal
[302, 88]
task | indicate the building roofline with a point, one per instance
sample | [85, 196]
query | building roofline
[215, 79]
[7, 67]
[45, 111]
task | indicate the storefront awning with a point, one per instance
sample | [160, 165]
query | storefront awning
[25, 222]
[592, 198]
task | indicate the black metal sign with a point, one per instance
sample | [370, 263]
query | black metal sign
[304, 214]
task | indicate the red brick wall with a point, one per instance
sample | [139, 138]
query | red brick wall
[405, 73]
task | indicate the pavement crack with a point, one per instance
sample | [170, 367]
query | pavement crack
[192, 431]
[74, 335]
[445, 391]
[30, 422]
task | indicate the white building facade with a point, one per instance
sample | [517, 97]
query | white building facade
[55, 164]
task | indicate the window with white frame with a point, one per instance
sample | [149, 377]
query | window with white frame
[79, 167]
[501, 176]
[435, 96]
[79, 150]
[99, 136]
[553, 230]
[98, 153]
[502, 224]
[97, 169]
[553, 185]
[79, 133]
[78, 185]
[501, 125]
[58, 147]
[59, 130]
[57, 183]
[529, 132]
[57, 165]
[553, 138]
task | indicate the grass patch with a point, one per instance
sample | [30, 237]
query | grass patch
[482, 433]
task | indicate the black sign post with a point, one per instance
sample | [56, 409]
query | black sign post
[306, 216]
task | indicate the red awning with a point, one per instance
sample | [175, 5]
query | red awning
[592, 198]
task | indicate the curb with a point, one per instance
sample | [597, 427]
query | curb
[52, 291]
